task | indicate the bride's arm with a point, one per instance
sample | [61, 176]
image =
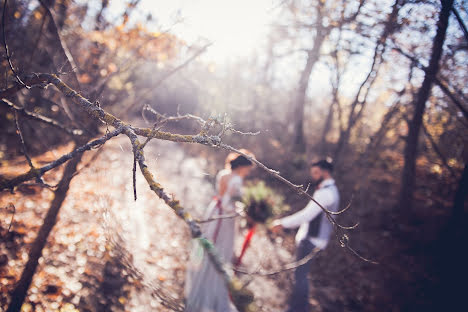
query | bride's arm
[235, 189]
[222, 186]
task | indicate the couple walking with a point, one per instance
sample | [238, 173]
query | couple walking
[205, 290]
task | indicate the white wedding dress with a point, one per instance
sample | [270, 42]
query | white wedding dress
[205, 290]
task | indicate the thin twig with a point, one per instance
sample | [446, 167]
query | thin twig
[12, 209]
[360, 256]
[12, 217]
[284, 268]
[243, 133]
[42, 184]
[134, 176]
[23, 144]
[163, 119]
[218, 217]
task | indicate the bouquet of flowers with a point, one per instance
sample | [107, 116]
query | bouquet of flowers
[261, 202]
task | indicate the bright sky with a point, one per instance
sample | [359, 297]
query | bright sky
[235, 27]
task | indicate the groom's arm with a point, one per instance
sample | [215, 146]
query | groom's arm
[305, 215]
[311, 211]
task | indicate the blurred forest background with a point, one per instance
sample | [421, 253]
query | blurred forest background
[380, 87]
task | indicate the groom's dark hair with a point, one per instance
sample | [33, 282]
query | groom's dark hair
[324, 165]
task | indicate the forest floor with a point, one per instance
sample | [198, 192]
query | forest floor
[109, 252]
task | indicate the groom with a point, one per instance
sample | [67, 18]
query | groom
[314, 229]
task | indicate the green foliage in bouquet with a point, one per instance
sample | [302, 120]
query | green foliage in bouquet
[262, 202]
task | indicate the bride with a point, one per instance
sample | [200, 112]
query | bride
[205, 290]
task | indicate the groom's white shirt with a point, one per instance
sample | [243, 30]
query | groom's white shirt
[326, 195]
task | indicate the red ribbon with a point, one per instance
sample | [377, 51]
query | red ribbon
[245, 245]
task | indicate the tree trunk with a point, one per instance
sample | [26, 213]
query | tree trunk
[326, 128]
[410, 152]
[461, 195]
[451, 258]
[312, 58]
[19, 293]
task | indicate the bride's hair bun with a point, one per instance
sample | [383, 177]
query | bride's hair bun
[240, 161]
[235, 160]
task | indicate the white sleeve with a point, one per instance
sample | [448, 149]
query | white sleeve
[309, 212]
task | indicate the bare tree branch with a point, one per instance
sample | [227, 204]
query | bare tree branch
[33, 172]
[33, 81]
[162, 119]
[41, 118]
[440, 82]
[437, 150]
[443, 86]
[284, 268]
[206, 124]
[460, 22]
[218, 217]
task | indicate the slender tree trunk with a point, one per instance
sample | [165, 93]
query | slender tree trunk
[312, 58]
[344, 137]
[19, 293]
[326, 128]
[410, 152]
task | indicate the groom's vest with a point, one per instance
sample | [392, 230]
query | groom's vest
[315, 223]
